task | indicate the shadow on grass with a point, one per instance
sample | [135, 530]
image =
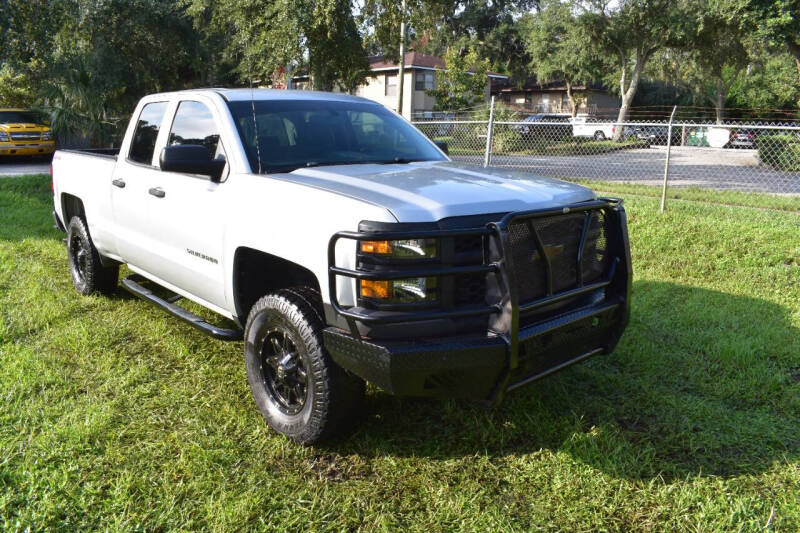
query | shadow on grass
[700, 384]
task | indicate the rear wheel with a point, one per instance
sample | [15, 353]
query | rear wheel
[88, 273]
[299, 390]
[599, 135]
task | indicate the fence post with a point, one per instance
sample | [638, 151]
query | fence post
[487, 156]
[666, 162]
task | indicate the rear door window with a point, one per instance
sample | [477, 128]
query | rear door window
[146, 133]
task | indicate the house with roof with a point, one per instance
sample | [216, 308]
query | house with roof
[419, 76]
[551, 97]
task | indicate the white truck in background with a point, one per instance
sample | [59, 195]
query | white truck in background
[589, 127]
[345, 246]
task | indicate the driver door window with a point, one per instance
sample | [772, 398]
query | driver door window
[194, 124]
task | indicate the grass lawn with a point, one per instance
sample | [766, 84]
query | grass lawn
[515, 145]
[698, 194]
[116, 416]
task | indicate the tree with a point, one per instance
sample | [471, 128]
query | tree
[718, 49]
[768, 82]
[265, 36]
[28, 30]
[92, 60]
[779, 21]
[491, 27]
[462, 83]
[558, 47]
[631, 31]
[15, 89]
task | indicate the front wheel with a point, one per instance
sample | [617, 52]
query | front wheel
[87, 271]
[299, 390]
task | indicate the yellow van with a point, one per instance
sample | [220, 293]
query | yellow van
[24, 133]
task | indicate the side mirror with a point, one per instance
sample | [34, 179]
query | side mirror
[442, 146]
[191, 159]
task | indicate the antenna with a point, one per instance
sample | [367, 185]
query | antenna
[253, 104]
[255, 125]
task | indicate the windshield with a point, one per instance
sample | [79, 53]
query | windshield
[305, 133]
[18, 117]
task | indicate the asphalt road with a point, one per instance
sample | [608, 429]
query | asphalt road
[714, 168]
[21, 168]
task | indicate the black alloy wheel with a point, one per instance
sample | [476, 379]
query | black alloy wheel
[283, 371]
[85, 264]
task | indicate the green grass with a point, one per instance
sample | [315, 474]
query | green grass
[580, 146]
[697, 194]
[116, 416]
[510, 144]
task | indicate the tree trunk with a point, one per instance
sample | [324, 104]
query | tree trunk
[628, 93]
[719, 102]
[571, 97]
[794, 49]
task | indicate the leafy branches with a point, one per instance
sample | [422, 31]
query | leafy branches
[270, 35]
[462, 83]
[558, 47]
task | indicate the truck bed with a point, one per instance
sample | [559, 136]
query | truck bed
[111, 153]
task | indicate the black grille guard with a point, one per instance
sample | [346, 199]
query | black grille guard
[497, 259]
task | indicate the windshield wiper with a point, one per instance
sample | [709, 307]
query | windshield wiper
[396, 161]
[311, 164]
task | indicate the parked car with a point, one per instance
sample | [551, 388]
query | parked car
[344, 246]
[544, 126]
[590, 127]
[744, 138]
[24, 133]
[657, 134]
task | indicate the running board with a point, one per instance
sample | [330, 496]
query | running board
[133, 284]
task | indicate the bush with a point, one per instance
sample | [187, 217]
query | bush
[780, 151]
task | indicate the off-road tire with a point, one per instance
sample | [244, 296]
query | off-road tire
[333, 397]
[87, 272]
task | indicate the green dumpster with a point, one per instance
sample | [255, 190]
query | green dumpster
[697, 137]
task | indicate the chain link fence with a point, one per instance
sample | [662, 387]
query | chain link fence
[735, 162]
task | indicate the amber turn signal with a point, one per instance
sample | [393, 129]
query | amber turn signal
[376, 289]
[376, 247]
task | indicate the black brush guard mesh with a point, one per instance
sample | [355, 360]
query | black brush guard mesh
[561, 239]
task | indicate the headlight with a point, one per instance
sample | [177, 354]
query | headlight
[47, 136]
[406, 249]
[399, 291]
[3, 136]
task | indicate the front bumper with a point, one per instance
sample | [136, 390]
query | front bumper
[477, 367]
[525, 340]
[12, 150]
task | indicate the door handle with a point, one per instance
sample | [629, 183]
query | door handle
[118, 183]
[158, 192]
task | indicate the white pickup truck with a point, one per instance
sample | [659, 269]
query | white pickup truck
[346, 247]
[590, 127]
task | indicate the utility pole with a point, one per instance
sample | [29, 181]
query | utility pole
[402, 70]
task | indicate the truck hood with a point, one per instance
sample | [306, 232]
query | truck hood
[432, 190]
[23, 126]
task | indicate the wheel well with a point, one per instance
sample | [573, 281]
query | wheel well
[71, 206]
[257, 273]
